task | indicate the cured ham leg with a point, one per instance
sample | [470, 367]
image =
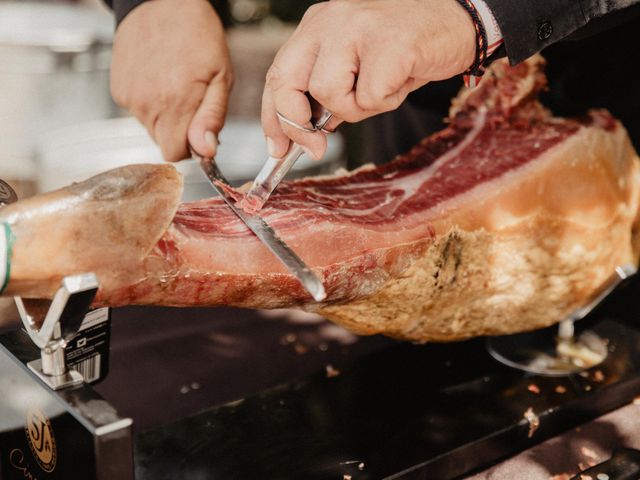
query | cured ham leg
[107, 225]
[505, 221]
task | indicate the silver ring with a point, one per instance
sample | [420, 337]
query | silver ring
[294, 124]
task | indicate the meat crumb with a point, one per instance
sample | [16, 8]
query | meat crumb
[587, 452]
[534, 421]
[586, 477]
[300, 349]
[533, 388]
[331, 371]
[598, 376]
[346, 477]
[562, 476]
[561, 389]
[636, 400]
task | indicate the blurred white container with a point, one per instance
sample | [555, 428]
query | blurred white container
[54, 62]
[75, 153]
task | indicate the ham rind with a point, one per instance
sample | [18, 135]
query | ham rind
[506, 221]
[107, 224]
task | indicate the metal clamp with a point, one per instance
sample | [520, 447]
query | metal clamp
[52, 331]
[317, 125]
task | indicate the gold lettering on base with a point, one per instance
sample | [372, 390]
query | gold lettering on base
[16, 459]
[41, 439]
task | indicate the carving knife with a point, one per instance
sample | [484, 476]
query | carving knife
[264, 232]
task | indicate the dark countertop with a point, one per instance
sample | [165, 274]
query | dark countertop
[181, 361]
[561, 457]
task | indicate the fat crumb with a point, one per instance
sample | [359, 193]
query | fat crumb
[533, 388]
[331, 371]
[361, 466]
[288, 339]
[561, 389]
[586, 477]
[636, 401]
[346, 477]
[534, 421]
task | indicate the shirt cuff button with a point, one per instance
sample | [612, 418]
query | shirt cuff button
[545, 29]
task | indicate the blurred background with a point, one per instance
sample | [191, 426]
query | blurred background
[60, 125]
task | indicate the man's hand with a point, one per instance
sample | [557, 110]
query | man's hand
[359, 58]
[171, 69]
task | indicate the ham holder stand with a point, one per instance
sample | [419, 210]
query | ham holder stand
[404, 411]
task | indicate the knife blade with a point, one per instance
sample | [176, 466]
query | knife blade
[264, 232]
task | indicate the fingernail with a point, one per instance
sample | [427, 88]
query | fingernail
[211, 139]
[271, 147]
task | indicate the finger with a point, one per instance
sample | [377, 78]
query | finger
[332, 83]
[278, 135]
[314, 144]
[277, 141]
[294, 106]
[332, 125]
[384, 81]
[287, 83]
[170, 133]
[209, 118]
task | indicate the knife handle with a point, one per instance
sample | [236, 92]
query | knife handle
[270, 176]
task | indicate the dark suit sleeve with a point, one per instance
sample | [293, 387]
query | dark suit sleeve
[528, 26]
[122, 7]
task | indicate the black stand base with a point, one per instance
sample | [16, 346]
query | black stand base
[432, 411]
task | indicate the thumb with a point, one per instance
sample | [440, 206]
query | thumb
[209, 118]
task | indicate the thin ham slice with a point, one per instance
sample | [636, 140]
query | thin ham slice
[505, 221]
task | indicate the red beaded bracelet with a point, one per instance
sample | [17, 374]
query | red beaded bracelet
[477, 68]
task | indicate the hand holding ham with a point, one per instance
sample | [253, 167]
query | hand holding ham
[359, 58]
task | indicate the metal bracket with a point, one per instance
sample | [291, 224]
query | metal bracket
[621, 273]
[52, 331]
[7, 194]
